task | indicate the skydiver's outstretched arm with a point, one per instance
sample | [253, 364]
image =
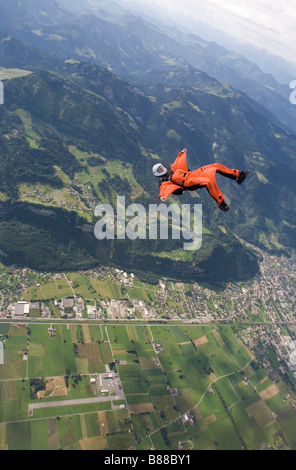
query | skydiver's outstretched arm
[166, 189]
[180, 162]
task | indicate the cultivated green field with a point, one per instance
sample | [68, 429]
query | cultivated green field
[200, 390]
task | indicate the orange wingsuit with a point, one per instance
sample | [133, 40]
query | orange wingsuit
[204, 177]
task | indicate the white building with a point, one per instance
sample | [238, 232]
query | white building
[22, 309]
[91, 311]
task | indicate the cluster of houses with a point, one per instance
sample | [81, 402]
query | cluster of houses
[69, 307]
[157, 346]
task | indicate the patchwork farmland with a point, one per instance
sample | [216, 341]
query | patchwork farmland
[162, 387]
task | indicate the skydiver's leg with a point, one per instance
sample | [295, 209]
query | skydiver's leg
[214, 191]
[208, 182]
[224, 170]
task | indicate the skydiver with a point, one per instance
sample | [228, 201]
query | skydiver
[177, 179]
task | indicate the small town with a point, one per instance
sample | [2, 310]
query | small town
[264, 306]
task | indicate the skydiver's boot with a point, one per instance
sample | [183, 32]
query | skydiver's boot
[242, 176]
[224, 207]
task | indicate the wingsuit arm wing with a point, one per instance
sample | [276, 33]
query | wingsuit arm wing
[181, 161]
[167, 188]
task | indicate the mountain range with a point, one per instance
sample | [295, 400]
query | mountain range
[129, 45]
[94, 103]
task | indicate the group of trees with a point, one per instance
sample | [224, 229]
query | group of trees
[75, 377]
[36, 385]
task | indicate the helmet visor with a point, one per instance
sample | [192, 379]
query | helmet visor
[161, 170]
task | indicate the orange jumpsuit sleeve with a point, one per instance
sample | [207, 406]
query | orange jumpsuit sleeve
[181, 162]
[167, 188]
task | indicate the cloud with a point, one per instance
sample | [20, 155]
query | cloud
[268, 24]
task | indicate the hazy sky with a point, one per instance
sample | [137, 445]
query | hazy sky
[268, 24]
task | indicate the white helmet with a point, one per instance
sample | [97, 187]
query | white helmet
[159, 169]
